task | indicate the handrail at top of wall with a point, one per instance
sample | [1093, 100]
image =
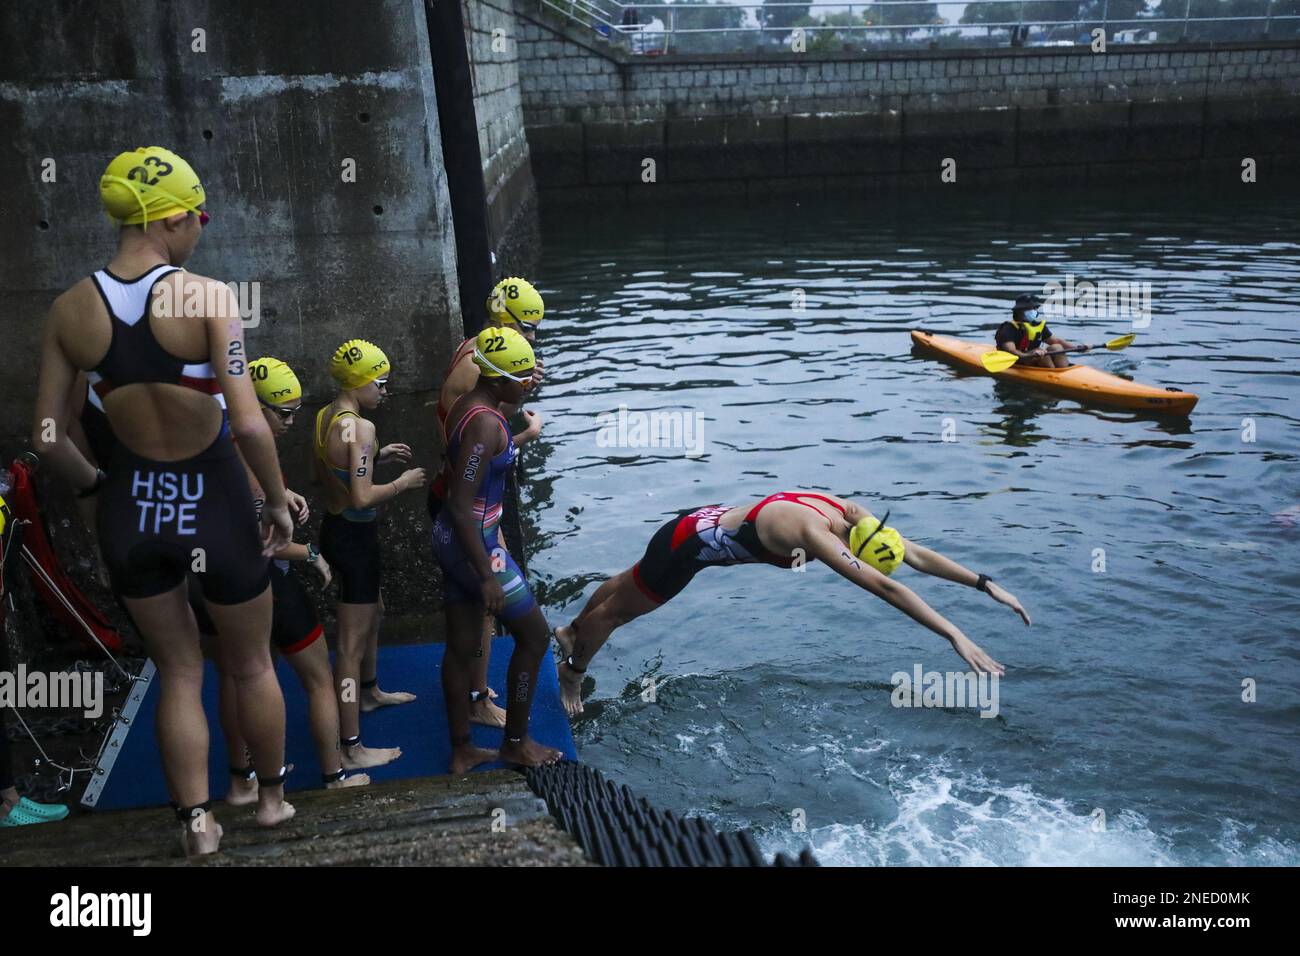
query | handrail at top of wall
[723, 26]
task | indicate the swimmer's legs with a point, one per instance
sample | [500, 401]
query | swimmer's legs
[622, 602]
[372, 698]
[245, 633]
[532, 638]
[464, 636]
[312, 665]
[355, 627]
[242, 790]
[483, 710]
[171, 637]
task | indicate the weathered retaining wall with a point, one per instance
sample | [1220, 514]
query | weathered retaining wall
[747, 124]
[492, 41]
[267, 114]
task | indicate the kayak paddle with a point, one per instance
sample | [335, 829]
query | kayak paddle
[1000, 361]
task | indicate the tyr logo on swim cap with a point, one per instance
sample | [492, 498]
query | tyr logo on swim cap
[880, 546]
[501, 352]
[148, 184]
[514, 301]
[357, 363]
[274, 382]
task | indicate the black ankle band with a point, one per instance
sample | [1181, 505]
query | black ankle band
[352, 741]
[476, 695]
[334, 777]
[568, 662]
[273, 781]
[186, 814]
[247, 773]
[367, 684]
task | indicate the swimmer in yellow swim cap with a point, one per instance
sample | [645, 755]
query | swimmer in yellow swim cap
[479, 577]
[347, 454]
[164, 355]
[296, 631]
[786, 529]
[515, 304]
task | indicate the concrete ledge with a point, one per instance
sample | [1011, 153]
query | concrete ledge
[428, 821]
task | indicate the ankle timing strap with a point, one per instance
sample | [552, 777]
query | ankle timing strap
[476, 695]
[334, 777]
[273, 781]
[186, 814]
[245, 773]
[367, 684]
[568, 662]
[352, 741]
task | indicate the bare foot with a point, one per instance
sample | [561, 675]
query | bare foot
[570, 689]
[485, 712]
[465, 758]
[356, 780]
[243, 792]
[529, 753]
[362, 757]
[372, 698]
[272, 808]
[201, 835]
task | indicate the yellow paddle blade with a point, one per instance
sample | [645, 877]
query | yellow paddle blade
[1121, 342]
[998, 360]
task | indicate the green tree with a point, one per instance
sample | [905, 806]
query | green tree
[904, 15]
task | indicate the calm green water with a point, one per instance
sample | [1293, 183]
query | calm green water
[773, 688]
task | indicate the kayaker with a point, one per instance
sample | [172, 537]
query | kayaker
[786, 529]
[1028, 336]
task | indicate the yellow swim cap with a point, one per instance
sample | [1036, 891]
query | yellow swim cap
[514, 301]
[501, 352]
[879, 546]
[149, 183]
[357, 362]
[275, 382]
[4, 515]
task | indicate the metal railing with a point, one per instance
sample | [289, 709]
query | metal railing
[722, 26]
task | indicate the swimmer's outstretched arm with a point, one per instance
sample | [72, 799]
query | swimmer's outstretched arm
[826, 547]
[926, 561]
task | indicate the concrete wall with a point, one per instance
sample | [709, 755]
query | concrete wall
[745, 125]
[284, 93]
[492, 39]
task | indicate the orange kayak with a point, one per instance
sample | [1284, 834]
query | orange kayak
[1082, 383]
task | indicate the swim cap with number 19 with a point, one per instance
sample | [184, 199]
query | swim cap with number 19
[357, 363]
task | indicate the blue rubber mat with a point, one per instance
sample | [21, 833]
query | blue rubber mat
[419, 728]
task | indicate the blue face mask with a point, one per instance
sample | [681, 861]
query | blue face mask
[1031, 315]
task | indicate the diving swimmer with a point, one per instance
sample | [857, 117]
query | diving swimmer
[786, 529]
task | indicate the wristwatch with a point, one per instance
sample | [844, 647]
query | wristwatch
[312, 553]
[983, 583]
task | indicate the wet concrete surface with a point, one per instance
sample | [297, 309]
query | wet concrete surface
[482, 819]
